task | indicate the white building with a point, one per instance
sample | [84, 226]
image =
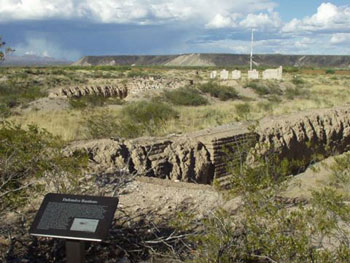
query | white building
[224, 74]
[273, 73]
[213, 74]
[236, 74]
[253, 74]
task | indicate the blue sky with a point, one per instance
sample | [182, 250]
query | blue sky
[70, 29]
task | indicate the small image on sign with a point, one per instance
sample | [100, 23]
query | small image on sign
[84, 225]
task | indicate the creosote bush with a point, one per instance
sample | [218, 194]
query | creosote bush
[28, 155]
[186, 96]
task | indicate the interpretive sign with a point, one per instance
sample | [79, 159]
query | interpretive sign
[77, 217]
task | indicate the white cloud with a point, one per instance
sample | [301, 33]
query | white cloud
[35, 9]
[45, 48]
[133, 11]
[222, 21]
[328, 17]
[340, 38]
[262, 20]
[304, 42]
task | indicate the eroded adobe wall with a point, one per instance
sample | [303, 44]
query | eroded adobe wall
[120, 89]
[202, 156]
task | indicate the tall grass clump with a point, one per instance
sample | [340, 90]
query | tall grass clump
[185, 96]
[134, 120]
[221, 92]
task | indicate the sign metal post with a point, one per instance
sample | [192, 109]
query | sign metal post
[75, 251]
[75, 218]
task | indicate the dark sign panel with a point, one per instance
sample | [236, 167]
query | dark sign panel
[78, 217]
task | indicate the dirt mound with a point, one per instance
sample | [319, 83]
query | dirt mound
[149, 196]
[47, 104]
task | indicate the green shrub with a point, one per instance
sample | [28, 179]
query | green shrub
[136, 74]
[28, 154]
[101, 124]
[266, 106]
[114, 101]
[296, 92]
[243, 111]
[136, 119]
[145, 117]
[265, 228]
[221, 92]
[297, 80]
[186, 96]
[330, 71]
[4, 111]
[264, 88]
[87, 101]
[291, 93]
[290, 69]
[14, 93]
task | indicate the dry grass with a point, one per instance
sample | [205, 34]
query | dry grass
[63, 123]
[323, 91]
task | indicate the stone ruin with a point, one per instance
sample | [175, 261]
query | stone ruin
[253, 74]
[236, 74]
[224, 74]
[273, 73]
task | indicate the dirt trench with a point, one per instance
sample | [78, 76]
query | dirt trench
[202, 156]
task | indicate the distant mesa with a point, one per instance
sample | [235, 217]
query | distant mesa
[220, 60]
[33, 60]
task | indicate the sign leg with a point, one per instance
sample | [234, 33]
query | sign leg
[75, 251]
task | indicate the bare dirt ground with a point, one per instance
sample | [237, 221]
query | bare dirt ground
[164, 198]
[48, 104]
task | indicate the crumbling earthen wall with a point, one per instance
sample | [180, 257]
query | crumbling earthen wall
[121, 89]
[202, 156]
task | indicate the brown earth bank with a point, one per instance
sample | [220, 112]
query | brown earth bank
[221, 60]
[202, 156]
